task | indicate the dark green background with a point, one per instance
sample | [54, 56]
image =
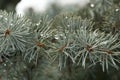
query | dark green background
[8, 5]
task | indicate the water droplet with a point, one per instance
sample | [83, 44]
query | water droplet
[56, 37]
[92, 5]
[1, 16]
[66, 17]
[117, 10]
[104, 43]
[42, 34]
[37, 24]
[6, 19]
[11, 24]
[61, 34]
[4, 64]
[23, 25]
[68, 25]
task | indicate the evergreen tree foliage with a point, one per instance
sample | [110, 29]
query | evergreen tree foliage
[77, 44]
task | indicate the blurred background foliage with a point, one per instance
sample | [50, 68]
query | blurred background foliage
[8, 5]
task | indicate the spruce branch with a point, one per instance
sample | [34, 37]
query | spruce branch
[62, 49]
[89, 45]
[14, 32]
[38, 44]
[95, 46]
[70, 39]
